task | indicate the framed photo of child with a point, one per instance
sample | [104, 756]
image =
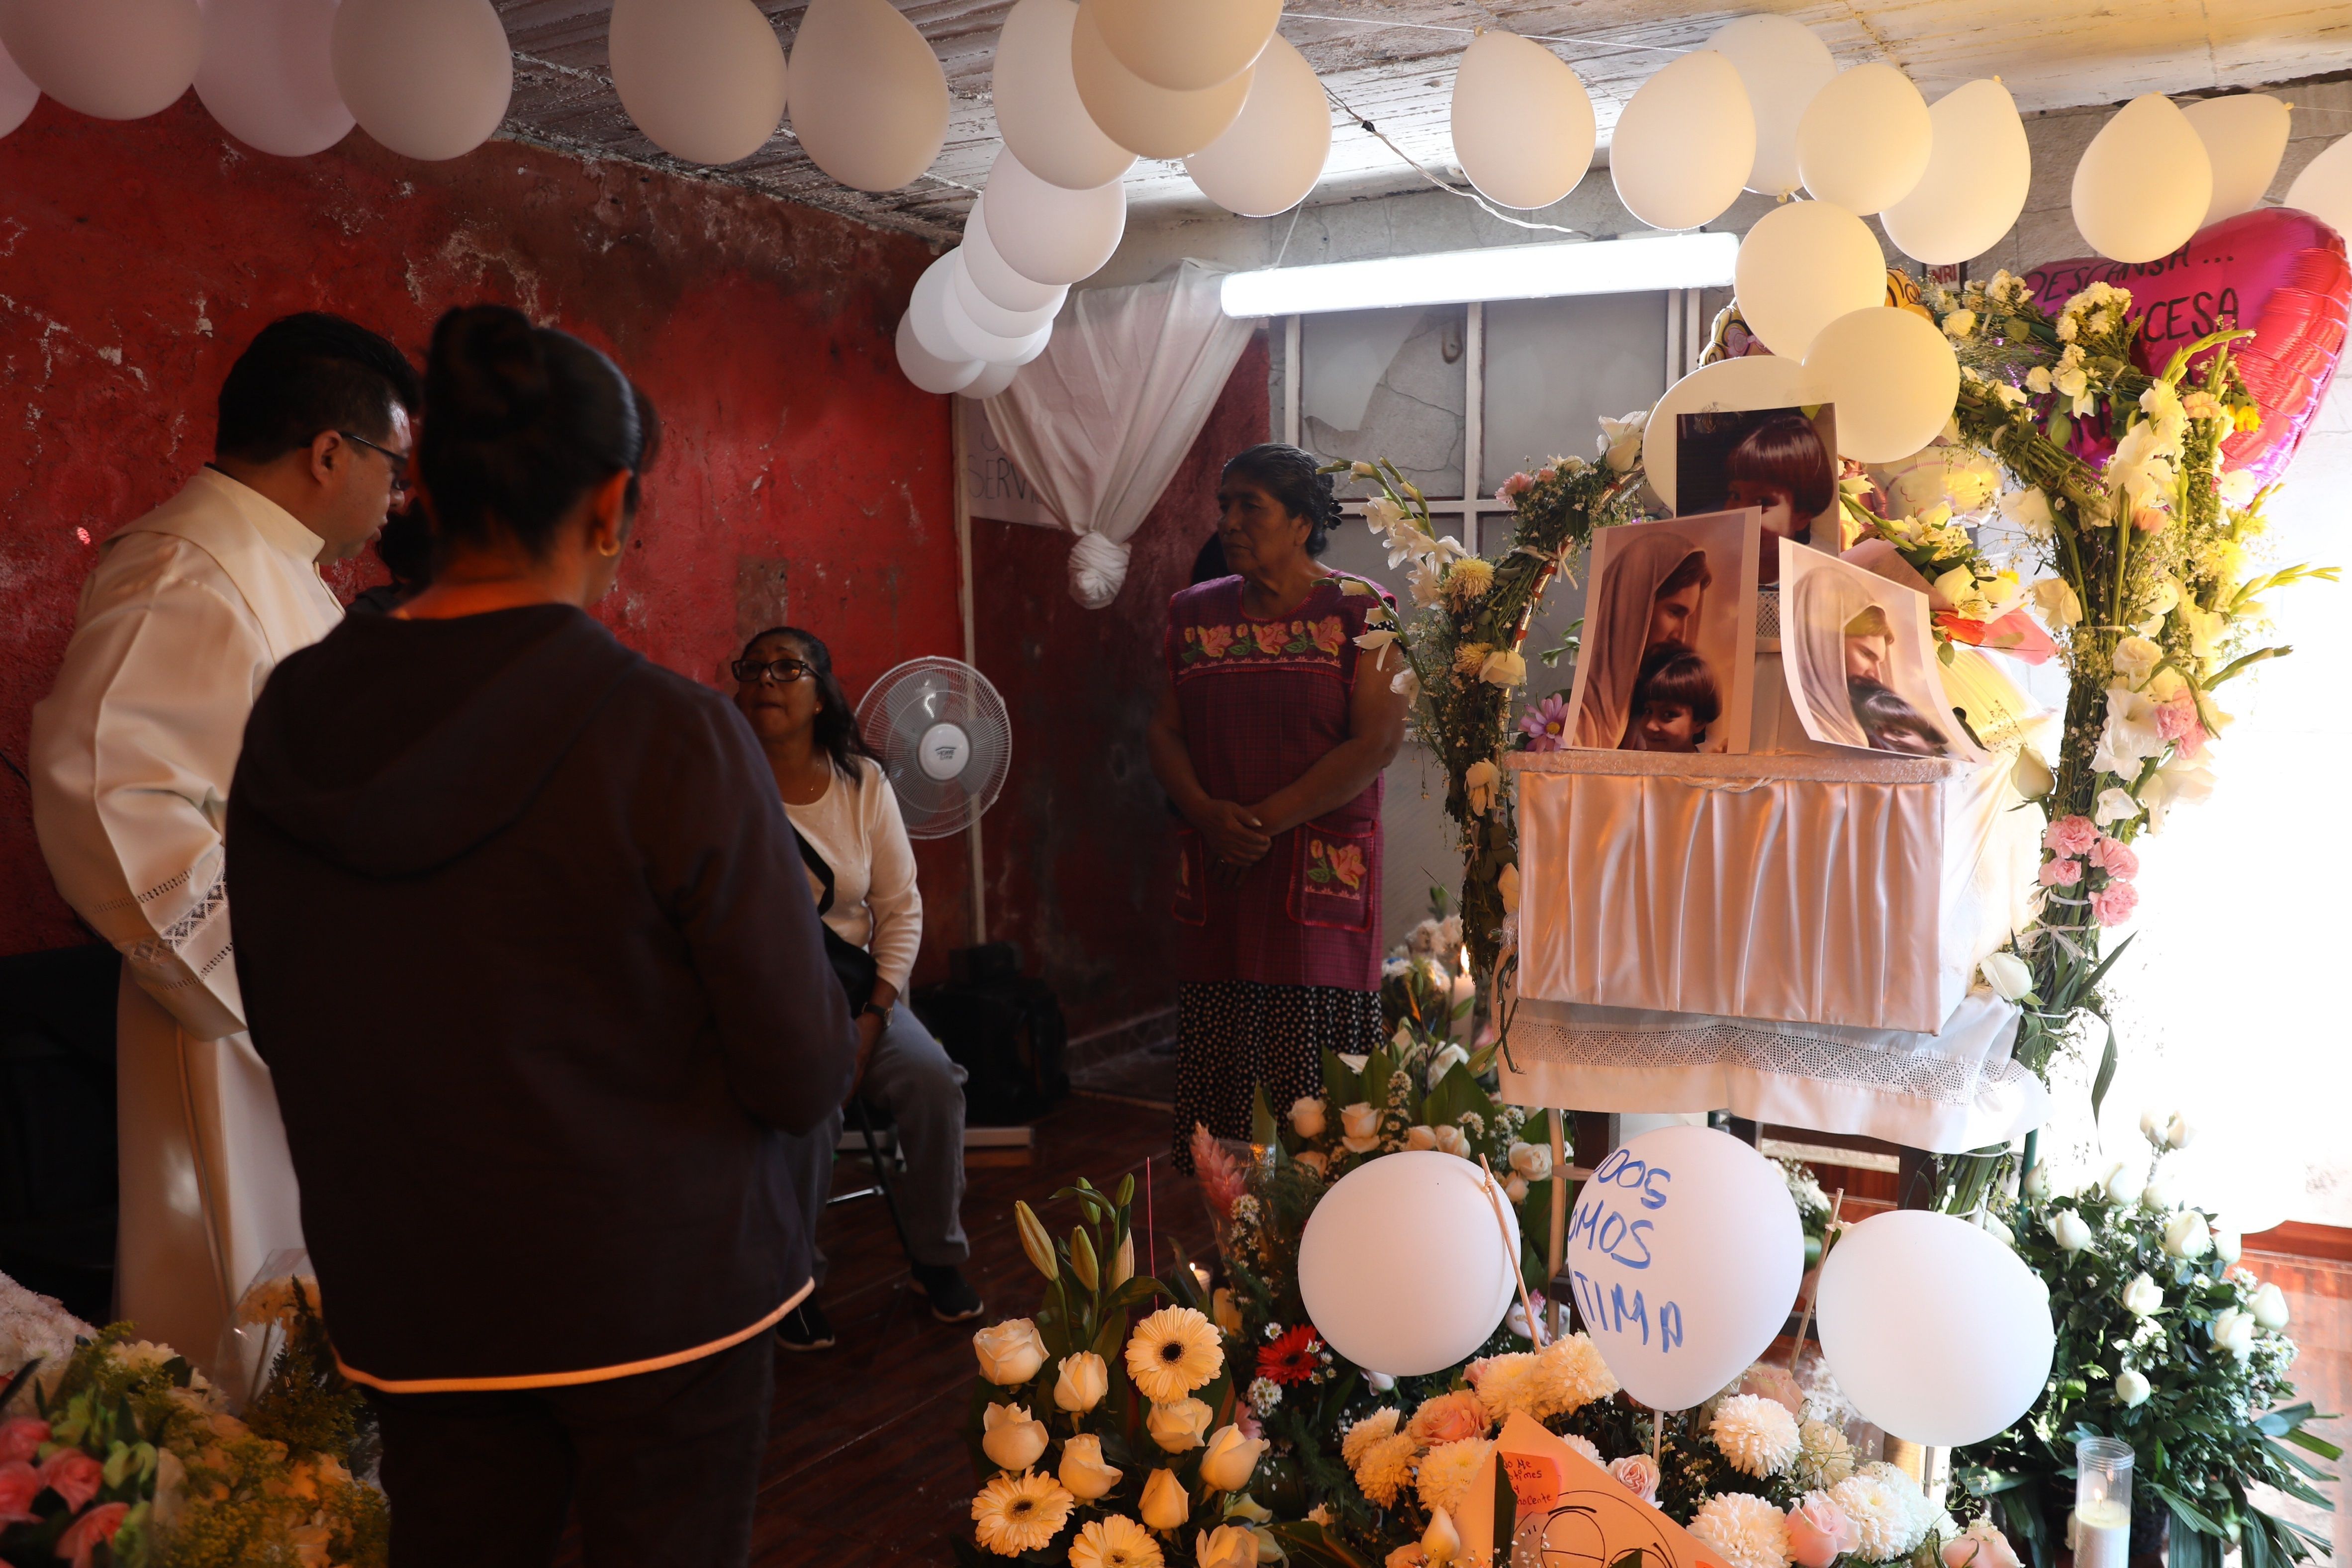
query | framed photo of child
[1779, 460]
[1668, 661]
[1861, 661]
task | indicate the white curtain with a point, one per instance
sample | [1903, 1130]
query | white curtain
[1098, 423]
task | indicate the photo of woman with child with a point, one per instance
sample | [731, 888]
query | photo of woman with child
[1661, 636]
[1853, 661]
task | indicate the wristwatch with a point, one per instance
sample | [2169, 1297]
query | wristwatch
[878, 1009]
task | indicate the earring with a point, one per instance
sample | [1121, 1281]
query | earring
[608, 554]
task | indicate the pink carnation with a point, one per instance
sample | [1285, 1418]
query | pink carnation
[2114, 857]
[21, 1437]
[80, 1544]
[73, 1476]
[1518, 483]
[2070, 836]
[20, 1484]
[2178, 722]
[2059, 873]
[2113, 904]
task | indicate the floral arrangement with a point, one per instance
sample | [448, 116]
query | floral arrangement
[1458, 655]
[1418, 977]
[131, 1457]
[2165, 1342]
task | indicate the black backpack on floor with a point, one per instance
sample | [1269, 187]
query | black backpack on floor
[1004, 1029]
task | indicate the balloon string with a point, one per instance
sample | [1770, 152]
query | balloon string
[1484, 205]
[1510, 1253]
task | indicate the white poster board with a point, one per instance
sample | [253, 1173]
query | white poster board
[992, 486]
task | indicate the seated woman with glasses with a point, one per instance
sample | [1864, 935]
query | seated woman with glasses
[837, 799]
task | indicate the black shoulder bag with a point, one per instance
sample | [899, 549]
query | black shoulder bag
[853, 966]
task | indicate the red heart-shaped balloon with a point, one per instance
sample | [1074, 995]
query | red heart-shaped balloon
[2279, 271]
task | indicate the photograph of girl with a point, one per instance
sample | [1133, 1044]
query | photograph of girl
[1666, 661]
[1861, 661]
[1774, 459]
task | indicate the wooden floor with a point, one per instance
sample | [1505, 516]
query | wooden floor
[866, 1462]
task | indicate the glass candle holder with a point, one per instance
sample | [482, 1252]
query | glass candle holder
[2103, 1479]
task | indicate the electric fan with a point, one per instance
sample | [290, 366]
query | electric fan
[940, 731]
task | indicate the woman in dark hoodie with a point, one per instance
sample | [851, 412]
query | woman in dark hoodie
[542, 1184]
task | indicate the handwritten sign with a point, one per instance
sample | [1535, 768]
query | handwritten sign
[993, 485]
[1580, 1514]
[1683, 1255]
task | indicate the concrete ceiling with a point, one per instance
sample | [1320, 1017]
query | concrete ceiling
[1391, 62]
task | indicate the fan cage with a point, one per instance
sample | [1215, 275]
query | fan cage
[900, 708]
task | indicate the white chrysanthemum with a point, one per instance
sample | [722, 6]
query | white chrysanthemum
[1757, 1434]
[1365, 1433]
[1585, 1445]
[1823, 1456]
[1506, 1383]
[1924, 1514]
[1385, 1466]
[1886, 1522]
[1747, 1531]
[1570, 1375]
[1446, 1471]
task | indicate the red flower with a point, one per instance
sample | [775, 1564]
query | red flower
[1292, 1358]
[73, 1476]
[19, 1485]
[82, 1540]
[21, 1437]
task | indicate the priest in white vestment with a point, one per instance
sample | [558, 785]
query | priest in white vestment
[188, 610]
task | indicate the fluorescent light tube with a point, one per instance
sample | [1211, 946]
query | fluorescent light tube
[1498, 272]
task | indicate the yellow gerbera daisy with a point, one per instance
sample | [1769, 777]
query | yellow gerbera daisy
[1020, 1514]
[1114, 1542]
[1173, 1352]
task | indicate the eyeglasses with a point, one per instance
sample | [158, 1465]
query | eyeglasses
[784, 672]
[396, 461]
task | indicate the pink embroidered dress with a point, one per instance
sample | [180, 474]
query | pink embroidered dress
[1281, 962]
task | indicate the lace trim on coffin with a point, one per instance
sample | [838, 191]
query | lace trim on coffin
[1790, 1052]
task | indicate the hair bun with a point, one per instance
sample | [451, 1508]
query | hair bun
[1327, 501]
[489, 373]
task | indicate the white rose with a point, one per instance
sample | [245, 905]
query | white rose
[1307, 1117]
[1313, 1160]
[2233, 1331]
[1010, 1353]
[1419, 1138]
[2159, 1197]
[2067, 1228]
[1532, 1161]
[2181, 1133]
[2186, 1235]
[2037, 1181]
[1178, 1425]
[1010, 1438]
[2122, 1181]
[1082, 1383]
[1166, 1505]
[1451, 1141]
[2136, 658]
[1230, 1458]
[1442, 1062]
[1359, 1124]
[2143, 1297]
[1083, 1470]
[2131, 1387]
[2269, 1308]
[2151, 1124]
[2010, 977]
[1227, 1546]
[1515, 1188]
[2227, 1245]
[1481, 782]
[1504, 667]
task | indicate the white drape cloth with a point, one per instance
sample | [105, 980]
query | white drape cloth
[190, 609]
[1098, 423]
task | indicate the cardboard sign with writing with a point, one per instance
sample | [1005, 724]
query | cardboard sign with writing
[1590, 1520]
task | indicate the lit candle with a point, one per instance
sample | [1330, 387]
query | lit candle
[1459, 1020]
[2102, 1478]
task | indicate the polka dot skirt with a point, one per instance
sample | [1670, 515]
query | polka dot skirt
[1233, 1035]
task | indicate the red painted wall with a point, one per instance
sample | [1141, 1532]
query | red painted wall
[801, 473]
[1078, 853]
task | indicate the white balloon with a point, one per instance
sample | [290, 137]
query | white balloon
[1804, 264]
[943, 327]
[1893, 377]
[927, 369]
[17, 94]
[1864, 139]
[429, 78]
[1760, 380]
[2324, 189]
[1523, 125]
[1045, 234]
[2125, 214]
[1038, 112]
[1403, 1267]
[1685, 143]
[2245, 137]
[1978, 170]
[1186, 46]
[1941, 1367]
[1149, 120]
[1270, 158]
[1783, 64]
[993, 276]
[988, 315]
[1685, 1251]
[992, 381]
[704, 80]
[111, 59]
[268, 75]
[869, 100]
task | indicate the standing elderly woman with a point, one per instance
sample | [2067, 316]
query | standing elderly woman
[1271, 746]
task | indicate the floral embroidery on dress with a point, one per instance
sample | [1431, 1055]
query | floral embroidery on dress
[1270, 636]
[1214, 640]
[1342, 863]
[1329, 634]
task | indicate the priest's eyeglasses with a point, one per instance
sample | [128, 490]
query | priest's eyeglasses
[396, 461]
[784, 672]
